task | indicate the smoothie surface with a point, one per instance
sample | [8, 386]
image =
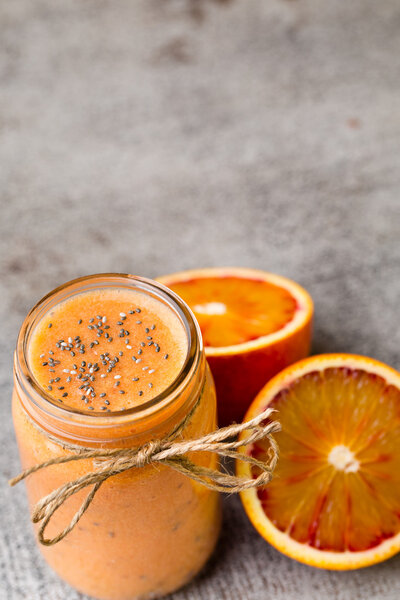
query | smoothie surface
[107, 350]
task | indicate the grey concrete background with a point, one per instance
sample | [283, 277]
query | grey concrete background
[157, 135]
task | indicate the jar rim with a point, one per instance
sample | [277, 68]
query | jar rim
[44, 402]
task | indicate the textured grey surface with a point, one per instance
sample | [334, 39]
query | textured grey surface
[152, 136]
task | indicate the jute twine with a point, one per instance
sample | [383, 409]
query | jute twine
[166, 451]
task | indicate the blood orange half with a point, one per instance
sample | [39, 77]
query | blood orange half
[334, 501]
[253, 325]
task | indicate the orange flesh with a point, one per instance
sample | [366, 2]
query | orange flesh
[329, 498]
[233, 310]
[147, 350]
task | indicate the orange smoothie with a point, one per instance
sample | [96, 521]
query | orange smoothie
[106, 362]
[107, 350]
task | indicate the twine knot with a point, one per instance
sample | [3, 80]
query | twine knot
[147, 452]
[169, 452]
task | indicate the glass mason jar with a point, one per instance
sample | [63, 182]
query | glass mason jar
[148, 530]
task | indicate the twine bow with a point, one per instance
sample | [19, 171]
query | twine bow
[169, 452]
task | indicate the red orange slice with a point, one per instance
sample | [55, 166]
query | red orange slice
[334, 501]
[253, 324]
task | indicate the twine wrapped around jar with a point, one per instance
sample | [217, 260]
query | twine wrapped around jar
[167, 451]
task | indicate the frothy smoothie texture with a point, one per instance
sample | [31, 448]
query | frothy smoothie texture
[107, 350]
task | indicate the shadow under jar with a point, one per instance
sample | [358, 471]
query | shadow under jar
[148, 530]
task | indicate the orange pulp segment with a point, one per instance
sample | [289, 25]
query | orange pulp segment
[232, 310]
